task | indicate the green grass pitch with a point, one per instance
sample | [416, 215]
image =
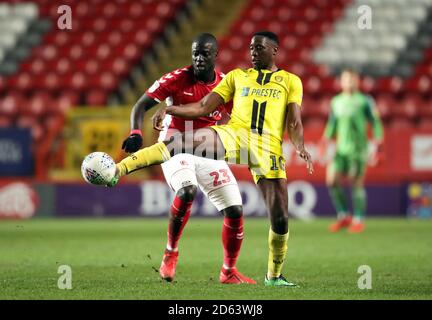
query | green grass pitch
[118, 259]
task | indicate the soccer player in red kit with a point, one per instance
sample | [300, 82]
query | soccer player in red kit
[184, 172]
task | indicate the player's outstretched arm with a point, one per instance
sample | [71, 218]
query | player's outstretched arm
[374, 119]
[134, 142]
[197, 109]
[295, 132]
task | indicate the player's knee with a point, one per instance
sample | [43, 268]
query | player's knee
[175, 144]
[280, 224]
[333, 180]
[233, 212]
[187, 193]
[333, 183]
[358, 183]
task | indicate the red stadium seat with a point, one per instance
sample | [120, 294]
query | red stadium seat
[165, 10]
[103, 51]
[119, 66]
[400, 123]
[105, 80]
[316, 108]
[51, 81]
[384, 104]
[8, 109]
[312, 85]
[114, 38]
[96, 97]
[424, 84]
[49, 52]
[38, 105]
[143, 39]
[62, 66]
[392, 85]
[71, 96]
[424, 108]
[3, 83]
[61, 38]
[314, 122]
[425, 123]
[91, 67]
[37, 129]
[330, 85]
[135, 10]
[75, 52]
[11, 104]
[109, 9]
[64, 102]
[38, 66]
[289, 42]
[53, 121]
[22, 82]
[368, 85]
[424, 68]
[406, 110]
[77, 81]
[82, 10]
[6, 122]
[88, 38]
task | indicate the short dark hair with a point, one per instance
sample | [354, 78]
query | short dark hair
[205, 38]
[268, 34]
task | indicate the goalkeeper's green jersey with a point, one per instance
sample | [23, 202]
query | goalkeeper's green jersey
[348, 120]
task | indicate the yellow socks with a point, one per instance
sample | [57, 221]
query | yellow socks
[155, 154]
[278, 245]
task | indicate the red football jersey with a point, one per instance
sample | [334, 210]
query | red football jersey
[180, 87]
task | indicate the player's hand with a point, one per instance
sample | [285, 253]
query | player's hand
[158, 119]
[132, 143]
[377, 153]
[306, 157]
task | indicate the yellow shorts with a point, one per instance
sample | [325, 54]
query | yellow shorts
[262, 153]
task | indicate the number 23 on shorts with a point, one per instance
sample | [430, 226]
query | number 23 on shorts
[220, 177]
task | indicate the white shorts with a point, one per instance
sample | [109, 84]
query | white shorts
[214, 178]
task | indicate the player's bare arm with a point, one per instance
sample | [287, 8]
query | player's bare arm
[143, 104]
[134, 142]
[158, 118]
[198, 109]
[295, 132]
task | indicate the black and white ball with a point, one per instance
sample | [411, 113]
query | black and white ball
[98, 168]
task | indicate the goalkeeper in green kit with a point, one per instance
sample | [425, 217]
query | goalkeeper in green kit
[347, 124]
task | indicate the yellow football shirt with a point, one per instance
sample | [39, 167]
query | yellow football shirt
[260, 98]
[254, 133]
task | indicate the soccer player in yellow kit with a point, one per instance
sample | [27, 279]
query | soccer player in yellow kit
[265, 100]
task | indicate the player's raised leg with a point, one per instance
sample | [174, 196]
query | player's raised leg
[202, 142]
[275, 196]
[334, 184]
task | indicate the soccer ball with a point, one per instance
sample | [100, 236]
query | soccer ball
[98, 168]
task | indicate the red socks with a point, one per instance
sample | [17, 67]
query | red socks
[232, 238]
[232, 231]
[180, 213]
